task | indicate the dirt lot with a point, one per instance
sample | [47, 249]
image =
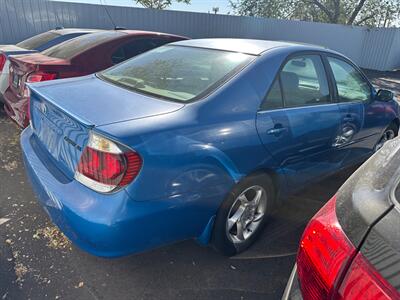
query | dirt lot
[37, 262]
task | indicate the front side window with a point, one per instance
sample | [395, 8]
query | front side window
[304, 82]
[175, 72]
[351, 85]
[38, 40]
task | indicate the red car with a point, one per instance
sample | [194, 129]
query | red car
[77, 57]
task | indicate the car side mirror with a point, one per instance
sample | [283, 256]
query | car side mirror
[384, 95]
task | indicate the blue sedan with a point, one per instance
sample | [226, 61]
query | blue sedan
[197, 139]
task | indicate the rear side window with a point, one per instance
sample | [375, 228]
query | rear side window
[351, 85]
[37, 40]
[274, 98]
[177, 73]
[304, 82]
[73, 47]
[134, 48]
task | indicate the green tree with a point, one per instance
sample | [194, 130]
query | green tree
[374, 13]
[159, 4]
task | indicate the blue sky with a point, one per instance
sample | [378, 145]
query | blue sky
[196, 5]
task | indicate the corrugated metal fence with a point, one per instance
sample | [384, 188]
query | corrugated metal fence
[371, 48]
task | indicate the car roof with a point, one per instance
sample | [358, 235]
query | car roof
[64, 31]
[144, 32]
[248, 46]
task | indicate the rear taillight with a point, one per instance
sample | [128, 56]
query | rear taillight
[3, 60]
[40, 76]
[37, 77]
[324, 252]
[106, 166]
[363, 282]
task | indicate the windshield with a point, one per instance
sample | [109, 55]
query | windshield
[72, 47]
[37, 40]
[175, 72]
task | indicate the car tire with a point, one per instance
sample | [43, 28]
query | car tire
[390, 132]
[229, 240]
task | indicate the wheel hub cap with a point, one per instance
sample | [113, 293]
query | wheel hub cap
[246, 214]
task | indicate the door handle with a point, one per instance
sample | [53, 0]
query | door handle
[344, 138]
[276, 130]
[348, 133]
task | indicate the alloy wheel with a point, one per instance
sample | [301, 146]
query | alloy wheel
[246, 214]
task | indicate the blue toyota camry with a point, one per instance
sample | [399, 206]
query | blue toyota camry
[198, 139]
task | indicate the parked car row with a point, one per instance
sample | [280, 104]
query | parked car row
[77, 53]
[34, 44]
[201, 139]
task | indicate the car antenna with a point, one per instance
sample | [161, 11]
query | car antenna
[60, 25]
[108, 13]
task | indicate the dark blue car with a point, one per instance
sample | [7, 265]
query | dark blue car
[198, 139]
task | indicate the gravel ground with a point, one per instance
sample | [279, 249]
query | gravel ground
[37, 262]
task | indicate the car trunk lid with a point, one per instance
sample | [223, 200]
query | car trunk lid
[100, 103]
[22, 66]
[64, 111]
[61, 135]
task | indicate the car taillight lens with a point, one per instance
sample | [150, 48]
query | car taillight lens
[3, 60]
[363, 282]
[106, 166]
[324, 252]
[40, 76]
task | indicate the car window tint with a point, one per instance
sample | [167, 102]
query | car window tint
[73, 47]
[134, 48]
[176, 73]
[37, 40]
[304, 81]
[274, 98]
[350, 84]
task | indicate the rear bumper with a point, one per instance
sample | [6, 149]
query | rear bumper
[16, 108]
[108, 225]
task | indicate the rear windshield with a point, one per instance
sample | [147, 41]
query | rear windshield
[175, 72]
[37, 40]
[73, 47]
